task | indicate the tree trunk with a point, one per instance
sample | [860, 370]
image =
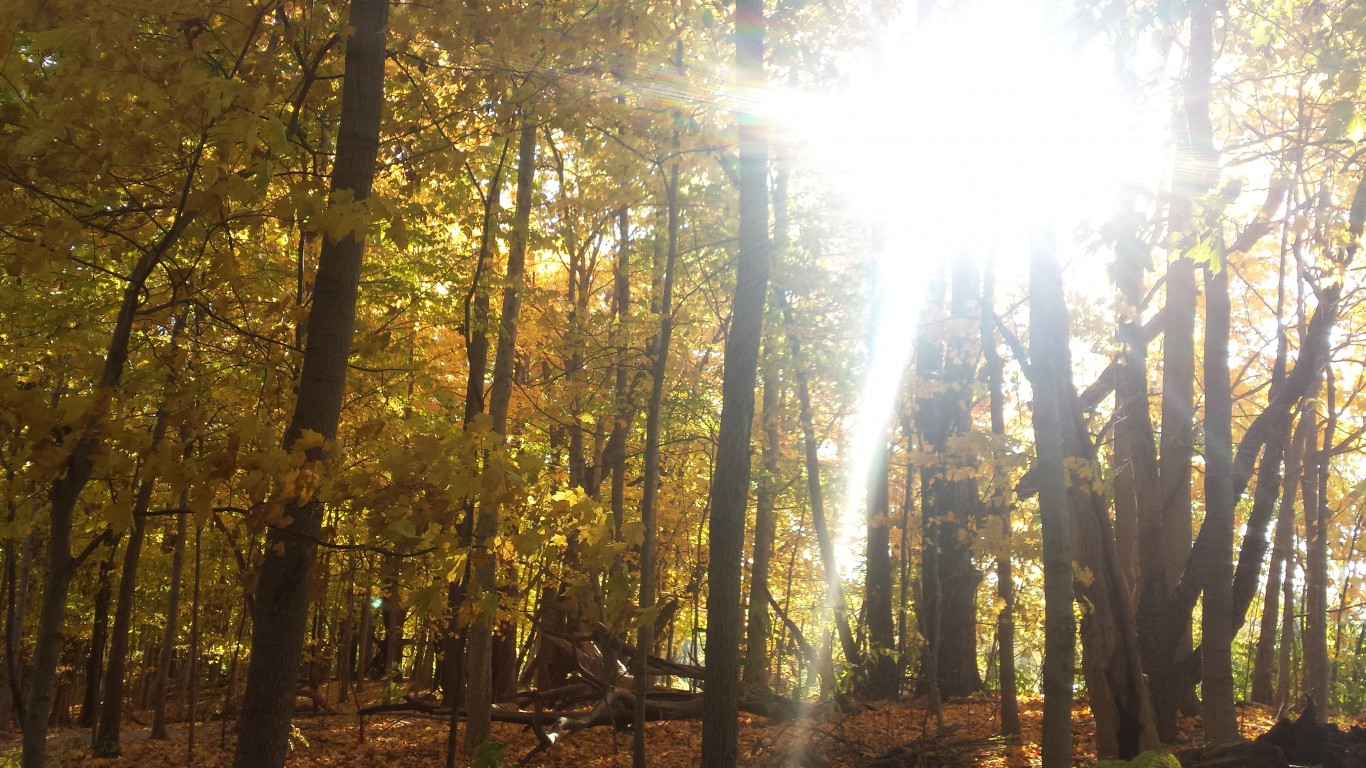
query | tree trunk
[16, 610]
[649, 502]
[1281, 569]
[1136, 474]
[999, 502]
[479, 707]
[106, 740]
[951, 501]
[391, 612]
[163, 672]
[758, 628]
[1049, 356]
[192, 695]
[730, 483]
[99, 636]
[281, 606]
[881, 667]
[1219, 715]
[1166, 639]
[815, 497]
[1315, 571]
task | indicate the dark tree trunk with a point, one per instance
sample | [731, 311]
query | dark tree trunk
[163, 671]
[1281, 571]
[730, 482]
[1220, 717]
[1166, 637]
[1316, 684]
[999, 502]
[882, 678]
[66, 492]
[281, 605]
[485, 567]
[106, 741]
[758, 628]
[951, 501]
[654, 424]
[99, 636]
[16, 609]
[1049, 363]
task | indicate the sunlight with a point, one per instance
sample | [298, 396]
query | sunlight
[949, 141]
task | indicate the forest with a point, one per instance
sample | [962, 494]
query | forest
[682, 382]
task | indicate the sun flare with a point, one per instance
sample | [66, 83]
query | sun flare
[952, 139]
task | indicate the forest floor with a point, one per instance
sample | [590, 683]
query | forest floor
[406, 740]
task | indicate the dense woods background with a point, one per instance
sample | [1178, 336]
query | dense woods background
[517, 357]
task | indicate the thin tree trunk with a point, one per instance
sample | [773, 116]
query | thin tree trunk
[106, 740]
[479, 709]
[880, 664]
[834, 591]
[345, 639]
[163, 672]
[730, 483]
[66, 490]
[1220, 717]
[281, 605]
[654, 428]
[1049, 356]
[759, 627]
[99, 636]
[999, 502]
[16, 610]
[1316, 684]
[1281, 569]
[192, 697]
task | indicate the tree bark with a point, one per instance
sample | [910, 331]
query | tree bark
[730, 483]
[1049, 356]
[758, 627]
[479, 701]
[163, 672]
[999, 502]
[1166, 637]
[281, 605]
[654, 420]
[1220, 717]
[66, 490]
[1316, 684]
[952, 503]
[106, 738]
[882, 678]
[99, 636]
[1281, 570]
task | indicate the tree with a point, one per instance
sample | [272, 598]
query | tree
[281, 607]
[730, 484]
[1049, 364]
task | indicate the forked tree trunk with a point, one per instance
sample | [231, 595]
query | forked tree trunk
[1281, 570]
[730, 481]
[281, 606]
[66, 491]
